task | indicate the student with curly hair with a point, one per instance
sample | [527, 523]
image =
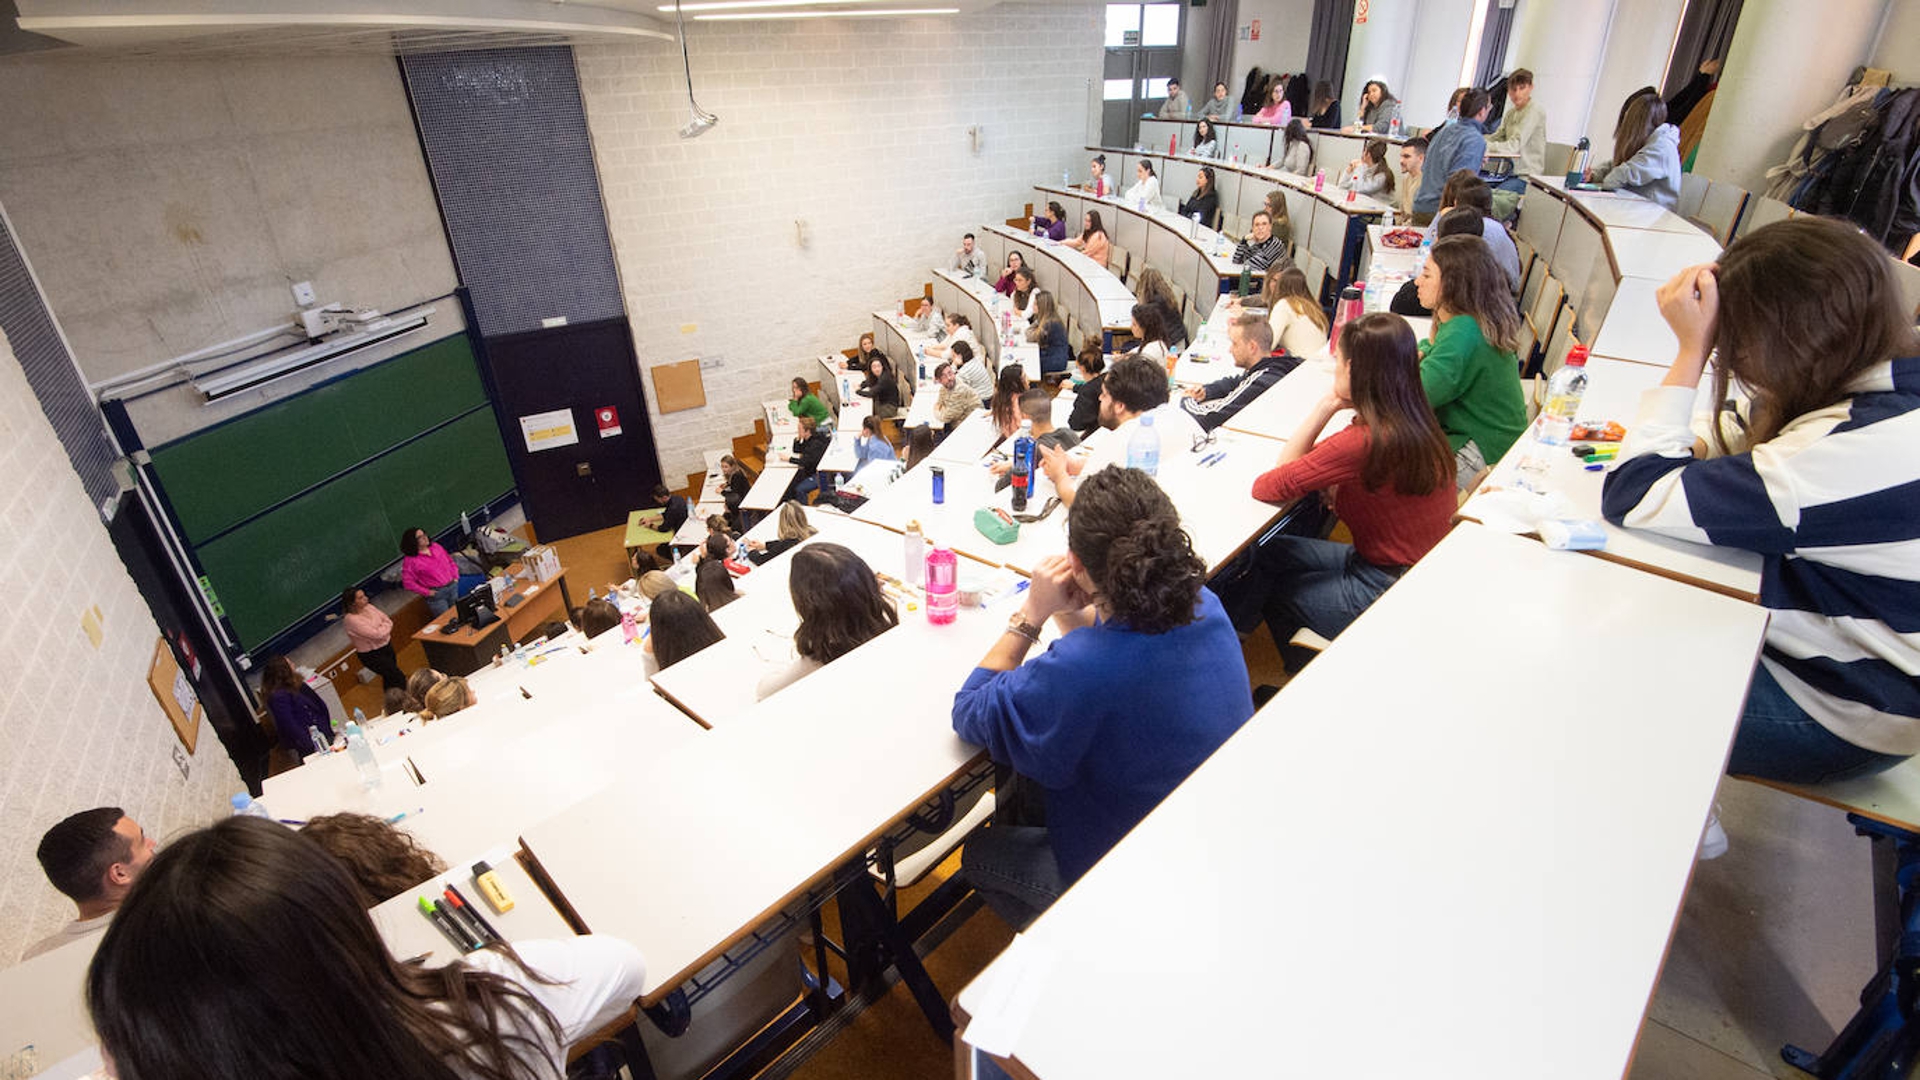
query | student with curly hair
[383, 860]
[249, 912]
[1145, 682]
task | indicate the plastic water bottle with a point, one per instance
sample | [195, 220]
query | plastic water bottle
[592, 594]
[1022, 470]
[943, 585]
[245, 806]
[1143, 447]
[1564, 392]
[629, 626]
[1346, 310]
[360, 717]
[1426, 252]
[1319, 180]
[916, 546]
[364, 763]
[320, 744]
[1393, 127]
[1066, 178]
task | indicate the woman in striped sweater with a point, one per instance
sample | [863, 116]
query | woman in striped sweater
[1815, 470]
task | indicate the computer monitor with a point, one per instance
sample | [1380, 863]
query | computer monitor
[467, 609]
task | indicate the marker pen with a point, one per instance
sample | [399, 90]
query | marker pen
[459, 928]
[482, 928]
[440, 922]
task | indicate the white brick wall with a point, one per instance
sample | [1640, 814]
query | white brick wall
[78, 726]
[859, 128]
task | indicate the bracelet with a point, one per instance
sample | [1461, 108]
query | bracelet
[1018, 625]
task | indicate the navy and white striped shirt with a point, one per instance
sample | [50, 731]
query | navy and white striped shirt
[1832, 503]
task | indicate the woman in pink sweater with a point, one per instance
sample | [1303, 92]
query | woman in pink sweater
[371, 633]
[426, 568]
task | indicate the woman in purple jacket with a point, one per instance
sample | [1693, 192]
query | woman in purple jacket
[1053, 224]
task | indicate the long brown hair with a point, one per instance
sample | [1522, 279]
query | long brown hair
[1643, 115]
[1289, 286]
[206, 927]
[1406, 448]
[838, 600]
[277, 674]
[1277, 214]
[1474, 286]
[1795, 348]
[1093, 225]
[1376, 152]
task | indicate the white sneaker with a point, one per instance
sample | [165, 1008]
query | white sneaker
[1713, 842]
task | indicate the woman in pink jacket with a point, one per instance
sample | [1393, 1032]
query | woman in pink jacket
[371, 633]
[426, 568]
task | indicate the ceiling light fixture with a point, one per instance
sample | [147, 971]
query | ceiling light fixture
[701, 119]
[741, 5]
[867, 14]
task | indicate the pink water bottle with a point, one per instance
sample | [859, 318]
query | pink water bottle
[1349, 308]
[629, 626]
[1319, 180]
[943, 585]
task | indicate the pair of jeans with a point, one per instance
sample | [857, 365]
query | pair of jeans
[443, 597]
[1777, 740]
[1322, 585]
[1013, 870]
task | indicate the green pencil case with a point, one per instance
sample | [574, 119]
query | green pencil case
[995, 525]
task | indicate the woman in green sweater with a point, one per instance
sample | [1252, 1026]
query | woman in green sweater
[802, 401]
[1468, 367]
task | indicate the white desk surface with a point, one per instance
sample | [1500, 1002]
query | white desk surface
[769, 487]
[683, 893]
[841, 456]
[1613, 393]
[720, 682]
[1533, 867]
[968, 487]
[1109, 293]
[1633, 329]
[1278, 412]
[409, 934]
[43, 1003]
[1214, 247]
[1619, 210]
[1215, 502]
[1650, 253]
[969, 441]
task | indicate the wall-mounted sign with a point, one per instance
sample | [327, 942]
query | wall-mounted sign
[1360, 11]
[1253, 29]
[549, 430]
[608, 418]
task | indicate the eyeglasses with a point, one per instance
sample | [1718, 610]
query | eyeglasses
[1203, 442]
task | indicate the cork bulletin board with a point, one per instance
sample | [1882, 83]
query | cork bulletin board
[678, 386]
[175, 694]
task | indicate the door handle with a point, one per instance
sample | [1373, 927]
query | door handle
[583, 468]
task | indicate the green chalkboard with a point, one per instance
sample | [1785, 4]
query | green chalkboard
[224, 475]
[288, 505]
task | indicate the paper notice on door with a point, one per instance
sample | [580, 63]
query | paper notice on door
[549, 430]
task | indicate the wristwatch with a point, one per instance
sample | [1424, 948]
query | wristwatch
[1016, 624]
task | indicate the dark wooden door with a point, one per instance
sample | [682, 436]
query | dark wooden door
[580, 371]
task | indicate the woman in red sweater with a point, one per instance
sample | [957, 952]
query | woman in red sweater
[1391, 475]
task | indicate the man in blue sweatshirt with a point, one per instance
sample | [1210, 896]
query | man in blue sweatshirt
[1459, 145]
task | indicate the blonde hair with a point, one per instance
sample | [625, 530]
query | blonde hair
[447, 697]
[655, 582]
[793, 524]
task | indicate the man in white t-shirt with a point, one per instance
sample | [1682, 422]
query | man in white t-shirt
[93, 857]
[1132, 389]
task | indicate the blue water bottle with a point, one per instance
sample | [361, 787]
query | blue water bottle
[939, 484]
[1021, 469]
